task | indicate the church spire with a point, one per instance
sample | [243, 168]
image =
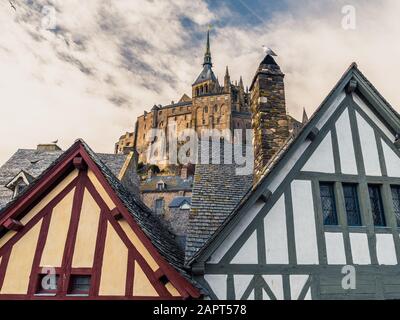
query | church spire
[207, 55]
[305, 116]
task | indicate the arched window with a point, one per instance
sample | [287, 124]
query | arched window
[215, 108]
[206, 109]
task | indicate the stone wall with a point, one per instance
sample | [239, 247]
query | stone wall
[149, 198]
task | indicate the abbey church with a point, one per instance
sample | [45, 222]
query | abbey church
[212, 106]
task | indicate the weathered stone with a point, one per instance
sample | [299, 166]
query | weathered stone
[270, 121]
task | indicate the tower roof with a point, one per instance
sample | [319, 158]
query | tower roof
[269, 60]
[207, 73]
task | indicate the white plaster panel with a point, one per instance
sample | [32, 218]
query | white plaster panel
[242, 282]
[236, 232]
[368, 147]
[251, 296]
[385, 249]
[308, 295]
[373, 117]
[304, 223]
[248, 253]
[277, 180]
[346, 147]
[359, 248]
[392, 161]
[217, 282]
[297, 283]
[276, 234]
[322, 159]
[275, 284]
[265, 295]
[335, 248]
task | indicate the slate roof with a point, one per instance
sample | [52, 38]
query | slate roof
[206, 74]
[151, 225]
[35, 162]
[285, 149]
[269, 60]
[172, 183]
[217, 190]
[179, 201]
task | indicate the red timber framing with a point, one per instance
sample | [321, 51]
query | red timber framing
[78, 158]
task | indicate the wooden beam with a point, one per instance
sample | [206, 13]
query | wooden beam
[14, 225]
[313, 134]
[198, 269]
[116, 214]
[80, 164]
[266, 195]
[352, 86]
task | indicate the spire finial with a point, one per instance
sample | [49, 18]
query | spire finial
[227, 72]
[207, 56]
[305, 116]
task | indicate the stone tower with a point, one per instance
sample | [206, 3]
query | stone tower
[269, 117]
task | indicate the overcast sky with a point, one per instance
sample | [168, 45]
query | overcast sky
[89, 70]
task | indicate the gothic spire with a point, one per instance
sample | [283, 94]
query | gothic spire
[227, 72]
[305, 116]
[207, 55]
[241, 83]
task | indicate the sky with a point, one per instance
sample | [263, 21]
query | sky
[86, 69]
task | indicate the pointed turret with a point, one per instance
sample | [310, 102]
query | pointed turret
[206, 82]
[241, 83]
[305, 116]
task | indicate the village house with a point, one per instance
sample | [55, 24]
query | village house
[322, 202]
[77, 231]
[317, 204]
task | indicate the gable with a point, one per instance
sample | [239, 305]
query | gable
[78, 229]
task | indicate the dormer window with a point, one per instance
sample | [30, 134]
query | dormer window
[19, 183]
[160, 186]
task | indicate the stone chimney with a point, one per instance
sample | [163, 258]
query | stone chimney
[269, 118]
[48, 147]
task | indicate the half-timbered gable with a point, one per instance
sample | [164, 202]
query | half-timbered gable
[328, 199]
[76, 232]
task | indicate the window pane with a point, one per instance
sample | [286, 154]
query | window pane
[376, 206]
[79, 284]
[352, 206]
[396, 203]
[328, 204]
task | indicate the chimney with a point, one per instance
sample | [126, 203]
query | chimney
[48, 147]
[184, 173]
[269, 118]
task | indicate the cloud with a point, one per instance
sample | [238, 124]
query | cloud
[108, 61]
